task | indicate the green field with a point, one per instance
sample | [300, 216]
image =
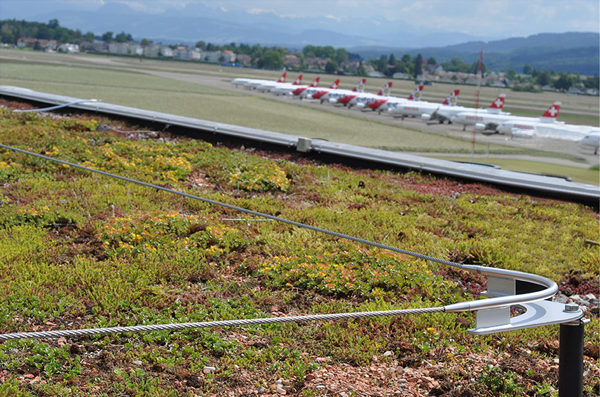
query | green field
[175, 97]
[112, 80]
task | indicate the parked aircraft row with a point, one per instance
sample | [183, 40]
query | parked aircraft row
[491, 119]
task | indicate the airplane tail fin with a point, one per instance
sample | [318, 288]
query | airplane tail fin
[416, 94]
[298, 81]
[282, 78]
[315, 83]
[498, 104]
[452, 99]
[386, 90]
[360, 87]
[550, 115]
[335, 84]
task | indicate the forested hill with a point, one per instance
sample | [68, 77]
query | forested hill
[549, 41]
[561, 52]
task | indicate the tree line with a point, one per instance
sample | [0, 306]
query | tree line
[561, 81]
[12, 30]
[273, 57]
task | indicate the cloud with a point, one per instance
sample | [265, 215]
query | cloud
[339, 19]
[257, 11]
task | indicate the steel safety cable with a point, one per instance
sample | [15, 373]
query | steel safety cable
[213, 324]
[55, 107]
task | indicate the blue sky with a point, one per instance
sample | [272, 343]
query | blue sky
[507, 18]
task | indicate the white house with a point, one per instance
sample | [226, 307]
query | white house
[155, 51]
[125, 49]
[187, 54]
[69, 48]
[218, 56]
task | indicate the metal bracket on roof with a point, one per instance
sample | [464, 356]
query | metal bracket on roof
[537, 314]
[304, 144]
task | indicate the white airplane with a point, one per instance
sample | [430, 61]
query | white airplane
[363, 98]
[532, 127]
[308, 92]
[272, 84]
[243, 81]
[334, 94]
[414, 109]
[492, 118]
[290, 88]
[252, 84]
[592, 139]
[382, 104]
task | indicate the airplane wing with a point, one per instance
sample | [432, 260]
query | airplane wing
[433, 116]
[517, 132]
[491, 126]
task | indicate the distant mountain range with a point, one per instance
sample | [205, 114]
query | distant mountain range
[572, 52]
[199, 22]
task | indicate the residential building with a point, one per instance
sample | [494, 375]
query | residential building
[187, 54]
[218, 56]
[158, 51]
[316, 62]
[291, 60]
[68, 48]
[244, 59]
[125, 49]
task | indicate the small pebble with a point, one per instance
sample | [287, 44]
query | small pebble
[137, 362]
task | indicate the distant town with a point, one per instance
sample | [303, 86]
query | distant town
[52, 37]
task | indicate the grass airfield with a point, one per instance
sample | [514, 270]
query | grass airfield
[203, 91]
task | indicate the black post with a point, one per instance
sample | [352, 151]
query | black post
[570, 366]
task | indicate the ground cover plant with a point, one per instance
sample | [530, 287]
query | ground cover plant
[83, 250]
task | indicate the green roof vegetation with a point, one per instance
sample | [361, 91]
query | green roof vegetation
[81, 250]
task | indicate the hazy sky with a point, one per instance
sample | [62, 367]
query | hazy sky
[476, 17]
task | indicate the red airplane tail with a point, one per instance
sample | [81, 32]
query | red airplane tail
[452, 99]
[386, 90]
[360, 87]
[282, 78]
[298, 81]
[335, 84]
[550, 115]
[498, 103]
[315, 83]
[416, 94]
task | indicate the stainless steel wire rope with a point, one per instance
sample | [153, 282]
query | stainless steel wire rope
[64, 105]
[551, 287]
